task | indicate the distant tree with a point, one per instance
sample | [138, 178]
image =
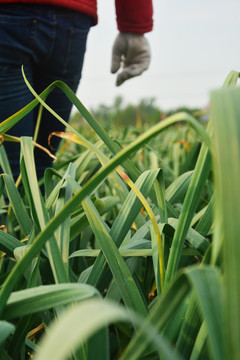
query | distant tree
[117, 103]
[149, 111]
[144, 114]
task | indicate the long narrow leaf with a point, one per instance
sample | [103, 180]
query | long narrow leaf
[17, 205]
[38, 209]
[86, 319]
[165, 308]
[226, 114]
[6, 329]
[40, 298]
[120, 271]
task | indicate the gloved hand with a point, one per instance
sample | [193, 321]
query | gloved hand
[132, 51]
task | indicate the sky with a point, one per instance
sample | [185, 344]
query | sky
[194, 45]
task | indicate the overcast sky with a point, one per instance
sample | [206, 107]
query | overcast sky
[194, 45]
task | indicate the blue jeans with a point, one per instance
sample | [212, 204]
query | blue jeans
[50, 43]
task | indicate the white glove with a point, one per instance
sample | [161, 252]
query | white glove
[132, 51]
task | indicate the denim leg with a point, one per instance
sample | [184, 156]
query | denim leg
[13, 92]
[50, 42]
[10, 104]
[65, 63]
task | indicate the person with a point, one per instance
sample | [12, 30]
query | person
[49, 39]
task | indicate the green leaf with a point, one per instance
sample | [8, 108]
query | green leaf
[4, 162]
[30, 301]
[80, 222]
[63, 232]
[159, 187]
[130, 250]
[5, 330]
[159, 316]
[86, 319]
[17, 205]
[32, 271]
[155, 258]
[37, 207]
[231, 79]
[206, 219]
[196, 240]
[119, 269]
[123, 222]
[200, 344]
[178, 188]
[208, 288]
[8, 242]
[190, 328]
[226, 150]
[204, 281]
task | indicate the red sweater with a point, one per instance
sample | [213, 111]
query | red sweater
[132, 15]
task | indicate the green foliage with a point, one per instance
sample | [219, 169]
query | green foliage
[80, 271]
[119, 114]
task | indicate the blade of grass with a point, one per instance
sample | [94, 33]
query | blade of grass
[190, 328]
[120, 271]
[123, 252]
[200, 343]
[31, 273]
[58, 345]
[29, 178]
[226, 113]
[4, 162]
[40, 298]
[80, 222]
[159, 187]
[63, 232]
[196, 240]
[178, 188]
[210, 301]
[6, 329]
[8, 242]
[155, 233]
[206, 220]
[122, 224]
[17, 205]
[198, 279]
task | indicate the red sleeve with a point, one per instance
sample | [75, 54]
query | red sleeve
[134, 15]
